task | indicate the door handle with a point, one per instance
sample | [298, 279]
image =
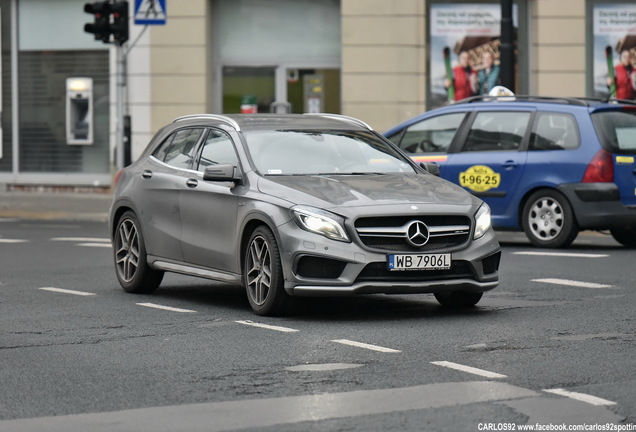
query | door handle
[510, 164]
[192, 183]
[146, 174]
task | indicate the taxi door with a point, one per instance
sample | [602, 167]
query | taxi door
[490, 159]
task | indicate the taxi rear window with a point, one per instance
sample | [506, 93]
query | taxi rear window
[617, 130]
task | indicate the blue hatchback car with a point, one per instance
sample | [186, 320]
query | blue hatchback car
[548, 166]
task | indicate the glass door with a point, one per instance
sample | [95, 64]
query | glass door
[248, 89]
[313, 90]
[280, 89]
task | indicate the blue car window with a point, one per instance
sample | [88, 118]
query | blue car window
[433, 135]
[554, 131]
[497, 131]
[618, 129]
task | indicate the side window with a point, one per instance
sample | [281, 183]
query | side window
[554, 131]
[218, 149]
[178, 149]
[497, 131]
[433, 135]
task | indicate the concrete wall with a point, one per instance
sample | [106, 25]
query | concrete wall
[383, 60]
[557, 45]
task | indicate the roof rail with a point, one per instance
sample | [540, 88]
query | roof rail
[348, 119]
[528, 98]
[221, 118]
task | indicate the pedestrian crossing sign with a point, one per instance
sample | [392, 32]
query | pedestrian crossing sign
[150, 12]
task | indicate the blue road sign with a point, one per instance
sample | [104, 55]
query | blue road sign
[150, 12]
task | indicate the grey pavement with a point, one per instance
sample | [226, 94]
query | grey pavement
[51, 205]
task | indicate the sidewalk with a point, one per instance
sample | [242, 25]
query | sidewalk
[74, 206]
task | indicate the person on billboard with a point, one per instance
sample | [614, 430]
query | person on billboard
[488, 76]
[464, 78]
[624, 77]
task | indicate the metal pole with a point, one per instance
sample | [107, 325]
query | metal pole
[119, 130]
[507, 49]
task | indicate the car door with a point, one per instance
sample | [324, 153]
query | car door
[161, 180]
[490, 158]
[209, 209]
[429, 139]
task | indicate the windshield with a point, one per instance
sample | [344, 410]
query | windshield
[307, 152]
[617, 130]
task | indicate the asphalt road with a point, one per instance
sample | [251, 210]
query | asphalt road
[553, 346]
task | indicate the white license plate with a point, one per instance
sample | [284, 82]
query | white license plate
[420, 262]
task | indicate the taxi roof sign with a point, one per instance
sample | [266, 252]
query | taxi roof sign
[150, 12]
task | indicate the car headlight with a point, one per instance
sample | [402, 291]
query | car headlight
[482, 221]
[320, 222]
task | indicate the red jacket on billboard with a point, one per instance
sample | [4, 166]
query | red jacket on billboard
[625, 82]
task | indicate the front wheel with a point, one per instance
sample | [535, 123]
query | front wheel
[625, 236]
[456, 299]
[129, 251]
[263, 274]
[548, 220]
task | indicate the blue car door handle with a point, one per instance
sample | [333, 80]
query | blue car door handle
[146, 174]
[192, 183]
[510, 164]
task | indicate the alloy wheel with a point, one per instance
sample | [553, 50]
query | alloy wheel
[259, 271]
[127, 250]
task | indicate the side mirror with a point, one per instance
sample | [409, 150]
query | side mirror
[221, 173]
[431, 167]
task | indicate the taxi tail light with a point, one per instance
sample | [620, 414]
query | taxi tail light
[600, 169]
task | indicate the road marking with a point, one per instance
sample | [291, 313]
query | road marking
[562, 254]
[82, 239]
[102, 245]
[572, 283]
[267, 326]
[323, 367]
[273, 413]
[468, 369]
[366, 346]
[66, 291]
[581, 397]
[13, 241]
[168, 308]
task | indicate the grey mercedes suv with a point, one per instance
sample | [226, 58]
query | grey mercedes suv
[297, 205]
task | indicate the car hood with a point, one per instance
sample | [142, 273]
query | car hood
[333, 191]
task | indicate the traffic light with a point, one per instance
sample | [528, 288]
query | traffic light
[101, 25]
[119, 27]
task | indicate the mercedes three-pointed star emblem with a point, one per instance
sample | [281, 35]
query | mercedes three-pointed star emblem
[417, 233]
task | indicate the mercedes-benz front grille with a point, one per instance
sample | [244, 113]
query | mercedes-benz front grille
[413, 233]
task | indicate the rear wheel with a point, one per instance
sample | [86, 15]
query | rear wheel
[131, 265]
[625, 235]
[263, 274]
[456, 299]
[548, 220]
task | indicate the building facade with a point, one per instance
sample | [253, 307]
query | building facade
[382, 61]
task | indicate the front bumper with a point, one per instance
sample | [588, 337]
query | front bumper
[315, 266]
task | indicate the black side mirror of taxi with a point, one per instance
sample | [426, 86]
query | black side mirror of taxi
[431, 167]
[222, 173]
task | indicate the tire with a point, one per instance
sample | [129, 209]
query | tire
[456, 299]
[131, 264]
[625, 236]
[263, 274]
[548, 220]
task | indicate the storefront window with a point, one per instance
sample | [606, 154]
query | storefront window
[6, 149]
[46, 59]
